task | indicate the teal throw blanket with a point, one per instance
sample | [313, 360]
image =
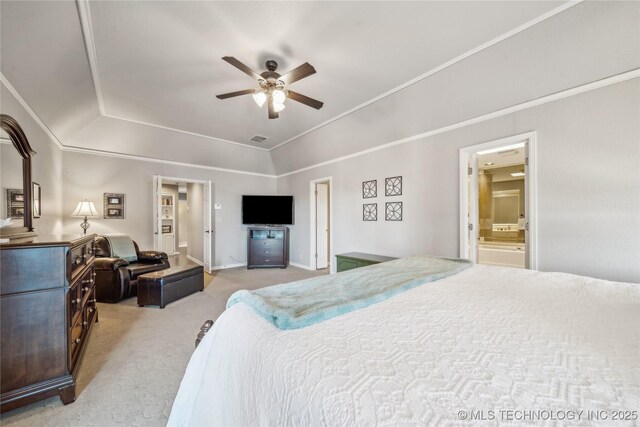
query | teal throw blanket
[307, 302]
[122, 247]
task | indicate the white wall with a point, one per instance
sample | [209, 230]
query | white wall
[120, 136]
[588, 188]
[90, 176]
[46, 165]
[585, 43]
[195, 198]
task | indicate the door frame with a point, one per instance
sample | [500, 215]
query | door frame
[466, 154]
[312, 223]
[206, 218]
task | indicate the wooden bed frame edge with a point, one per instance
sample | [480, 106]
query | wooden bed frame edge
[203, 331]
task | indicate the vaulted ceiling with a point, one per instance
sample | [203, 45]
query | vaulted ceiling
[158, 62]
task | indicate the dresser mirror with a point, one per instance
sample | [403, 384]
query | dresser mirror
[17, 188]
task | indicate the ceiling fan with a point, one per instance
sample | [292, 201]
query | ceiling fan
[273, 86]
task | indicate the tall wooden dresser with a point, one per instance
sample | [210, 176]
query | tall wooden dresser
[47, 311]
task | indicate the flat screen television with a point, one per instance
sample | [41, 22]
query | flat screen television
[267, 210]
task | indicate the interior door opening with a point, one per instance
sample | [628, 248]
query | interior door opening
[497, 202]
[182, 223]
[321, 220]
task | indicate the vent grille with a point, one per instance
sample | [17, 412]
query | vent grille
[258, 138]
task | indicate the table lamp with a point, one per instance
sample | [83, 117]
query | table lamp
[85, 209]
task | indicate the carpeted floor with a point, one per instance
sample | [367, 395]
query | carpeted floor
[136, 356]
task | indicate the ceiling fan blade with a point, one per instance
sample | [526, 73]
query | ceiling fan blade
[240, 66]
[305, 70]
[238, 93]
[313, 103]
[272, 112]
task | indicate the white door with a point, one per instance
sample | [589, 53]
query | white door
[473, 215]
[527, 209]
[322, 225]
[208, 231]
[157, 212]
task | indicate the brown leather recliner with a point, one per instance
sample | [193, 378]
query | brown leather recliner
[117, 279]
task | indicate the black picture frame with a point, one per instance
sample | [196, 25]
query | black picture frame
[15, 203]
[166, 229]
[393, 211]
[393, 186]
[114, 204]
[370, 212]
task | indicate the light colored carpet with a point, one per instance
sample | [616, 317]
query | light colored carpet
[136, 356]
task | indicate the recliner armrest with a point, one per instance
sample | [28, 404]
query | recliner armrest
[154, 257]
[109, 263]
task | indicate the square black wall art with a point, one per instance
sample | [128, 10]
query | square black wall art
[370, 212]
[393, 211]
[370, 189]
[393, 186]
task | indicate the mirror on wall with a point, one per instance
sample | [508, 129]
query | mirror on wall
[506, 207]
[15, 176]
[12, 196]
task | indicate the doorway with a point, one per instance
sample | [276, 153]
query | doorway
[182, 218]
[498, 202]
[321, 210]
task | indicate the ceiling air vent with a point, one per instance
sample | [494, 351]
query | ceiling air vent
[258, 138]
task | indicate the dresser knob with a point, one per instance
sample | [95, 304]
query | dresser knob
[90, 310]
[78, 300]
[87, 281]
[85, 323]
[85, 289]
[78, 261]
[77, 340]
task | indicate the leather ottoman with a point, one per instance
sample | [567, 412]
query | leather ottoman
[165, 286]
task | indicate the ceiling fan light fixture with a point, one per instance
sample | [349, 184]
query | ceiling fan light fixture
[278, 106]
[260, 98]
[278, 96]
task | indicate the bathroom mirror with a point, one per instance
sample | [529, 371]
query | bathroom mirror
[506, 207]
[17, 190]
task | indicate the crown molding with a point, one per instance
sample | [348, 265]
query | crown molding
[85, 20]
[84, 14]
[577, 90]
[104, 153]
[96, 152]
[441, 67]
[32, 113]
[185, 132]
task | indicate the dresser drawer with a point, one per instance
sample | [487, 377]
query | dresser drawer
[80, 256]
[267, 243]
[78, 291]
[76, 335]
[276, 259]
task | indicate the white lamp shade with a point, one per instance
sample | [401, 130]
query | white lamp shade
[277, 107]
[278, 96]
[86, 208]
[260, 98]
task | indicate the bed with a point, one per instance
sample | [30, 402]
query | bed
[488, 343]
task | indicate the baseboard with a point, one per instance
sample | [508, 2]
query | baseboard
[182, 244]
[224, 267]
[197, 261]
[306, 267]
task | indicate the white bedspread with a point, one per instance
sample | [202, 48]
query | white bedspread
[487, 339]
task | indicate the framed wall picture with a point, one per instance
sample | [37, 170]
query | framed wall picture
[36, 200]
[113, 205]
[166, 229]
[15, 203]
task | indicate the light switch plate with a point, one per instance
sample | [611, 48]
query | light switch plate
[217, 206]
